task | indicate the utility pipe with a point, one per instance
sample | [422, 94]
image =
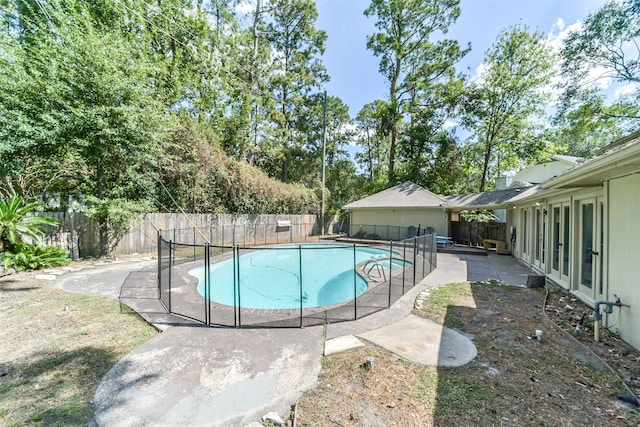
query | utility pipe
[598, 317]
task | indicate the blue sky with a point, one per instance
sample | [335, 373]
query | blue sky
[354, 69]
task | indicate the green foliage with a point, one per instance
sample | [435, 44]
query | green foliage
[297, 71]
[478, 216]
[372, 139]
[32, 257]
[416, 68]
[605, 48]
[16, 222]
[115, 217]
[588, 124]
[100, 101]
[203, 179]
[87, 118]
[608, 40]
[503, 105]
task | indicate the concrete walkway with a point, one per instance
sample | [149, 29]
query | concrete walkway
[195, 375]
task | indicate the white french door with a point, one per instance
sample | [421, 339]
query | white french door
[540, 237]
[560, 241]
[590, 255]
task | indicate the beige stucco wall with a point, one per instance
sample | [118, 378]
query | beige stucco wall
[624, 254]
[402, 217]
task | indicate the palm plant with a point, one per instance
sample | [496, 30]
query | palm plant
[16, 224]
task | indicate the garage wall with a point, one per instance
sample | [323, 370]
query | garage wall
[401, 217]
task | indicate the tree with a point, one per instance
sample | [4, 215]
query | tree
[586, 125]
[606, 48]
[296, 44]
[429, 148]
[504, 102]
[409, 60]
[371, 136]
[90, 117]
[16, 222]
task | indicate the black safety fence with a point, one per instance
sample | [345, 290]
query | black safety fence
[288, 285]
[387, 232]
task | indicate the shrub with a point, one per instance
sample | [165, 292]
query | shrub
[16, 222]
[31, 257]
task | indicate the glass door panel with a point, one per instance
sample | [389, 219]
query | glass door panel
[586, 246]
[525, 235]
[538, 235]
[556, 242]
[566, 241]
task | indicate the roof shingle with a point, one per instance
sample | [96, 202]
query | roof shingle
[405, 195]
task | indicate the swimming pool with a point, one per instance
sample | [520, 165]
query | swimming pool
[270, 278]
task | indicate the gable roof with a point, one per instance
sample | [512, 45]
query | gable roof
[573, 160]
[405, 195]
[620, 158]
[486, 199]
[540, 172]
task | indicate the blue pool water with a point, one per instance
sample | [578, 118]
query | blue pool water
[270, 278]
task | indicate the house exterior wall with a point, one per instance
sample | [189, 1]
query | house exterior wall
[541, 172]
[401, 217]
[616, 267]
[624, 254]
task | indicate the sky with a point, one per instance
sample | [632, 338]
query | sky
[354, 70]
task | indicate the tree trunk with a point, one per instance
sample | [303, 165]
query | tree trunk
[103, 226]
[485, 167]
[371, 174]
[394, 113]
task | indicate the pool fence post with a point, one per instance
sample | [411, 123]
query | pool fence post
[237, 321]
[404, 263]
[390, 275]
[355, 286]
[207, 285]
[300, 279]
[424, 252]
[434, 252]
[194, 243]
[415, 246]
[233, 232]
[159, 264]
[324, 334]
[170, 270]
[171, 247]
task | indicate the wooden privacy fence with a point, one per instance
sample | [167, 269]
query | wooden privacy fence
[80, 235]
[472, 233]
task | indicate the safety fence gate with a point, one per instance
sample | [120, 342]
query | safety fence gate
[287, 285]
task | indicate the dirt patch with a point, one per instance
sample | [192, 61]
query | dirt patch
[623, 359]
[515, 380]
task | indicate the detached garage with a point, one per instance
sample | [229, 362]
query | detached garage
[397, 213]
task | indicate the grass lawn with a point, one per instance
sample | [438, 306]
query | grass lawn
[55, 348]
